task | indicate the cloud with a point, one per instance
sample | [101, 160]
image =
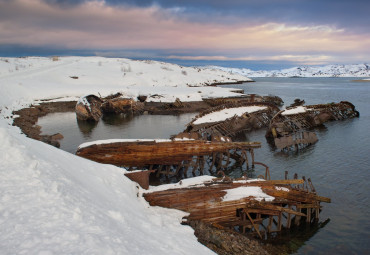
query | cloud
[99, 25]
[352, 15]
[301, 59]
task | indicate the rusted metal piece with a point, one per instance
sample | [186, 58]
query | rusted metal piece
[206, 202]
[88, 108]
[235, 124]
[291, 128]
[141, 177]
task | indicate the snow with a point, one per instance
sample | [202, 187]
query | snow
[227, 113]
[282, 188]
[255, 193]
[295, 110]
[185, 183]
[356, 70]
[53, 202]
[109, 141]
[25, 80]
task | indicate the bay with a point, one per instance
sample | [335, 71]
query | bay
[338, 164]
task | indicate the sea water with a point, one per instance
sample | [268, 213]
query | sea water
[338, 164]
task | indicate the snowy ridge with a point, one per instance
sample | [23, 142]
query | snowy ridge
[358, 70]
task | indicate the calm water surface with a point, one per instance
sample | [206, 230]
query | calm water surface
[338, 164]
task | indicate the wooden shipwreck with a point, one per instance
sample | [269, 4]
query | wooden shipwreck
[254, 206]
[169, 156]
[250, 98]
[231, 119]
[89, 108]
[292, 128]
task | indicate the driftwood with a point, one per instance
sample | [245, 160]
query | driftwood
[235, 124]
[205, 202]
[293, 130]
[88, 108]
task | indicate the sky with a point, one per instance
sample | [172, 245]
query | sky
[256, 34]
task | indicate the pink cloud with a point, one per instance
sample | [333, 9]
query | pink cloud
[96, 25]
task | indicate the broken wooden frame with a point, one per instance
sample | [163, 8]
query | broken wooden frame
[293, 131]
[236, 124]
[294, 200]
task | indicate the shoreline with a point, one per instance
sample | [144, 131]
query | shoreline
[27, 117]
[218, 240]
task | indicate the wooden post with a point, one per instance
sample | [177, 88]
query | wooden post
[297, 217]
[308, 217]
[254, 225]
[270, 223]
[252, 154]
[279, 221]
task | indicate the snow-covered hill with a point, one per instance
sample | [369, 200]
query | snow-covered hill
[32, 78]
[359, 70]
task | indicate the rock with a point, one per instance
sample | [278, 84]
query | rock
[226, 241]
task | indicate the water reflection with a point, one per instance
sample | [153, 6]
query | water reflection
[117, 119]
[86, 127]
[290, 240]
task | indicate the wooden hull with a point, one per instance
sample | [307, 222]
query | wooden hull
[205, 202]
[143, 153]
[236, 124]
[293, 130]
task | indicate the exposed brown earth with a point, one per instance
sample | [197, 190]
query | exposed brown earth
[28, 117]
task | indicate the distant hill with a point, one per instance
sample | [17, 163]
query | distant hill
[358, 70]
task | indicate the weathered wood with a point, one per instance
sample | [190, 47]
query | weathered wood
[254, 225]
[234, 124]
[142, 153]
[205, 202]
[294, 130]
[118, 105]
[88, 108]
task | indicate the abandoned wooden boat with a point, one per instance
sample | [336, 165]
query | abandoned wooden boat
[231, 119]
[290, 128]
[118, 105]
[172, 154]
[252, 205]
[89, 108]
